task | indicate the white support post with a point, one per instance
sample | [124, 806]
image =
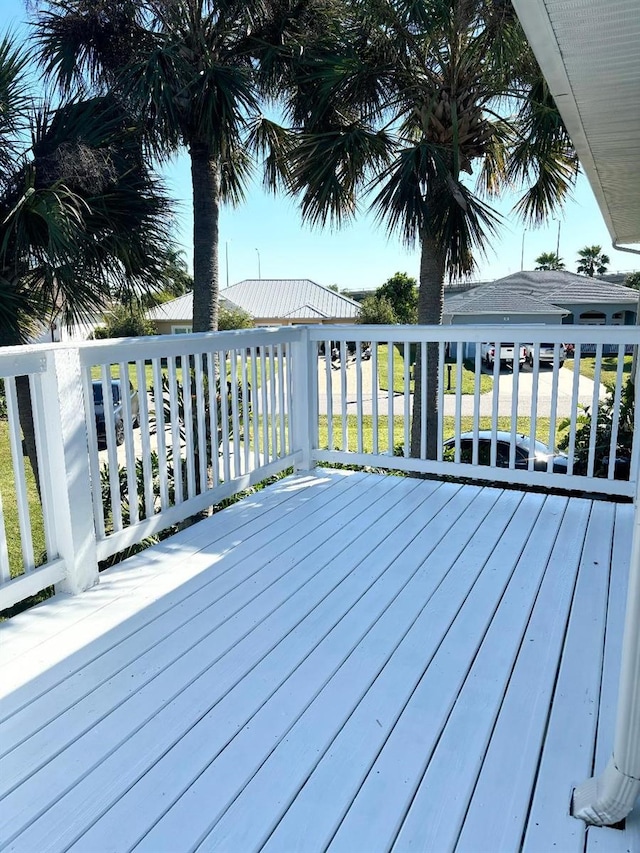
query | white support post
[304, 400]
[608, 798]
[64, 468]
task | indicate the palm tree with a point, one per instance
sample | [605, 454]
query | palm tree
[414, 98]
[591, 260]
[549, 261]
[190, 69]
[82, 220]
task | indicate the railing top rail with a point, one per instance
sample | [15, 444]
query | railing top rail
[22, 361]
[523, 333]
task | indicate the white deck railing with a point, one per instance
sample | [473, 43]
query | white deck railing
[206, 416]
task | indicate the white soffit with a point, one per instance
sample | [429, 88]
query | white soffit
[589, 52]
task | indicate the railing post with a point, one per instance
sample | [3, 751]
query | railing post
[64, 468]
[304, 400]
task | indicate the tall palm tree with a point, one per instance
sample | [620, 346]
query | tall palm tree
[549, 261]
[193, 72]
[592, 260]
[82, 220]
[418, 95]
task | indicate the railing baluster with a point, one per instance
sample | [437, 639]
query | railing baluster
[423, 402]
[441, 366]
[265, 407]
[5, 573]
[495, 411]
[175, 415]
[235, 412]
[145, 443]
[129, 450]
[213, 417]
[615, 423]
[406, 390]
[514, 404]
[343, 393]
[458, 396]
[112, 455]
[553, 413]
[272, 403]
[255, 401]
[161, 435]
[246, 407]
[200, 425]
[575, 396]
[595, 410]
[281, 376]
[329, 386]
[533, 426]
[225, 411]
[359, 441]
[476, 402]
[375, 391]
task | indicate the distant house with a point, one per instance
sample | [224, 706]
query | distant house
[270, 302]
[541, 296]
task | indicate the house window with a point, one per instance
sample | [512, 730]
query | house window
[592, 318]
[181, 330]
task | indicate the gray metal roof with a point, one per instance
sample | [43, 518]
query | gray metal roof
[269, 298]
[493, 299]
[588, 52]
[277, 297]
[180, 309]
[562, 288]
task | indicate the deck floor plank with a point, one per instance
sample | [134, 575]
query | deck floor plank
[407, 630]
[126, 743]
[32, 643]
[344, 661]
[399, 769]
[567, 756]
[117, 671]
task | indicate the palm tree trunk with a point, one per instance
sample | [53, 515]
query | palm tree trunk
[430, 303]
[205, 176]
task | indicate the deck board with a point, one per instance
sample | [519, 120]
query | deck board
[344, 661]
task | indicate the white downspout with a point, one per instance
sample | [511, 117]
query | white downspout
[608, 798]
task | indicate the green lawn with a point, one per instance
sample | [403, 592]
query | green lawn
[10, 506]
[468, 373]
[608, 371]
[504, 423]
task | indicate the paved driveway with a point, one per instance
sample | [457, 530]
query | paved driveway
[505, 390]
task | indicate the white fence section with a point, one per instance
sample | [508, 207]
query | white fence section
[134, 436]
[484, 413]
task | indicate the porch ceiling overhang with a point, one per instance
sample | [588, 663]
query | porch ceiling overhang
[588, 52]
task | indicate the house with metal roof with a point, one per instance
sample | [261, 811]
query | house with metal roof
[269, 301]
[544, 296]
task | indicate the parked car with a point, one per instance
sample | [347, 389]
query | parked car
[507, 353]
[118, 410]
[525, 449]
[545, 354]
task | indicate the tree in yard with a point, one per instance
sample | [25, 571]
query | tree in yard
[414, 97]
[194, 73]
[592, 261]
[549, 261]
[376, 310]
[401, 291]
[633, 280]
[234, 318]
[82, 220]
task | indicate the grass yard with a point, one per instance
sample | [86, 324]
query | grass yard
[10, 506]
[504, 423]
[468, 373]
[608, 371]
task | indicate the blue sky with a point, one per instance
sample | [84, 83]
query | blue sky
[267, 233]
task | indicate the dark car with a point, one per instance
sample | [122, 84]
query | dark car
[525, 449]
[118, 410]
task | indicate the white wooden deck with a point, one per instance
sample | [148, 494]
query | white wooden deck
[344, 661]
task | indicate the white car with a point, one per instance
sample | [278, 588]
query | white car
[507, 353]
[545, 354]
